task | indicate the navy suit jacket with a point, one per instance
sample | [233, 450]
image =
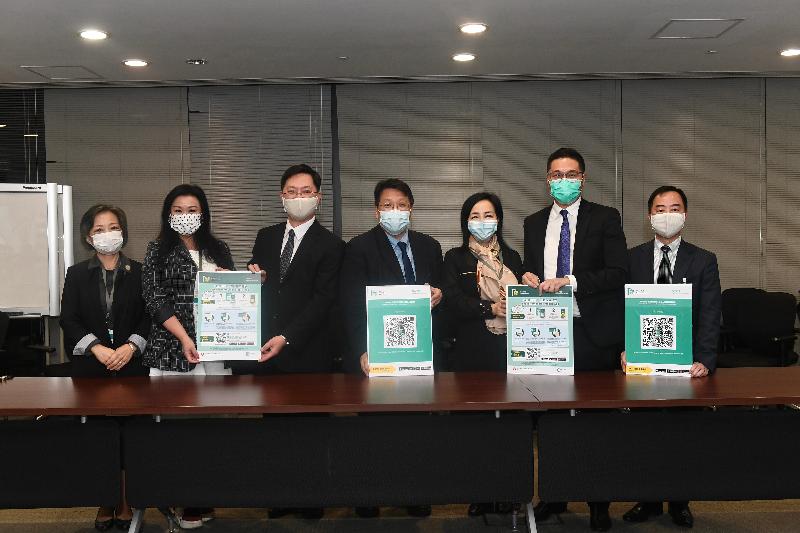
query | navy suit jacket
[599, 265]
[370, 260]
[698, 267]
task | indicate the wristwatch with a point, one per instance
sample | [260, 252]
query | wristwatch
[134, 347]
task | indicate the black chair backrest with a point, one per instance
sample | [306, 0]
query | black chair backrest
[735, 299]
[4, 320]
[772, 315]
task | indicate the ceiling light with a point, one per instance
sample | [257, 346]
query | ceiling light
[473, 28]
[2, 125]
[30, 134]
[343, 58]
[135, 63]
[790, 52]
[198, 61]
[463, 56]
[94, 35]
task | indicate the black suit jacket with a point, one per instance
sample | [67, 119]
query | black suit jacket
[476, 348]
[83, 313]
[370, 260]
[698, 267]
[299, 306]
[599, 264]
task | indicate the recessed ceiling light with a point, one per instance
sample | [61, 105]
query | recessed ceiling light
[473, 28]
[790, 52]
[463, 56]
[135, 63]
[712, 51]
[93, 34]
[198, 61]
[2, 125]
[343, 58]
[30, 134]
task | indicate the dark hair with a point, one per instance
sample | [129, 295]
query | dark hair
[210, 247]
[664, 189]
[570, 153]
[466, 209]
[302, 168]
[393, 183]
[87, 222]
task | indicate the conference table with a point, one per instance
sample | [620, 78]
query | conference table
[346, 440]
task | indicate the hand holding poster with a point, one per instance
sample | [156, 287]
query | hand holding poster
[399, 330]
[658, 329]
[539, 331]
[228, 316]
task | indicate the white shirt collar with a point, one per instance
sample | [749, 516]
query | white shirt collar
[299, 231]
[673, 246]
[572, 209]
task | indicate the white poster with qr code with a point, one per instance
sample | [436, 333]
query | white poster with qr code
[399, 330]
[658, 329]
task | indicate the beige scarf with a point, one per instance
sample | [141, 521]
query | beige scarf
[492, 277]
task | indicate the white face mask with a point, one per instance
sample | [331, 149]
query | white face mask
[395, 222]
[108, 242]
[185, 223]
[300, 208]
[667, 225]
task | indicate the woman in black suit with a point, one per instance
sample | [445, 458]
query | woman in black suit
[184, 246]
[474, 280]
[103, 317]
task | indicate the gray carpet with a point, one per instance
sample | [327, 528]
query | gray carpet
[710, 517]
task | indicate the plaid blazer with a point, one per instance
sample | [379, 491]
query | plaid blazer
[167, 290]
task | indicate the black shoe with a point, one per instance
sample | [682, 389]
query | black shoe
[598, 517]
[122, 525]
[479, 509]
[543, 510]
[312, 513]
[419, 511]
[642, 511]
[368, 512]
[103, 525]
[681, 515]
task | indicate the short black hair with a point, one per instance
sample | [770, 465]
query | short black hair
[570, 153]
[664, 189]
[466, 209]
[302, 168]
[393, 183]
[87, 222]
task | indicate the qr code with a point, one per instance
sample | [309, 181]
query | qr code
[399, 331]
[658, 332]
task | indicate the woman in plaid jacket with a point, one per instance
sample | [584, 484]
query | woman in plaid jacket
[184, 246]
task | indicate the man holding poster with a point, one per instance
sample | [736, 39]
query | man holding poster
[668, 259]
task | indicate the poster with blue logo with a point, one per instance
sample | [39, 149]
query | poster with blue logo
[658, 329]
[539, 331]
[228, 316]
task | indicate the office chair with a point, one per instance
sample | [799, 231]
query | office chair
[758, 328]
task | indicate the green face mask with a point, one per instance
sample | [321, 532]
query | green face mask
[565, 190]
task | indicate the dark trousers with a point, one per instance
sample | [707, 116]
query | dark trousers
[590, 356]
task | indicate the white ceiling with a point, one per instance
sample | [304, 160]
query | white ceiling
[272, 39]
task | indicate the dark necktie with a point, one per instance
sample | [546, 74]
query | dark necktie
[408, 270]
[664, 271]
[286, 255]
[562, 268]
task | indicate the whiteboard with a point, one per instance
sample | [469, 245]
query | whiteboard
[34, 250]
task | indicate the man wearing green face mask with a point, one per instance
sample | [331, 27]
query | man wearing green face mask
[579, 243]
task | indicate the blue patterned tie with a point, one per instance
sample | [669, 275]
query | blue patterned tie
[563, 247]
[408, 270]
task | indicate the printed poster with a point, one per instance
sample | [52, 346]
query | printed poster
[227, 316]
[539, 331]
[658, 329]
[399, 330]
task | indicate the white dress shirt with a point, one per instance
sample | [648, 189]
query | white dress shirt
[551, 238]
[299, 232]
[672, 255]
